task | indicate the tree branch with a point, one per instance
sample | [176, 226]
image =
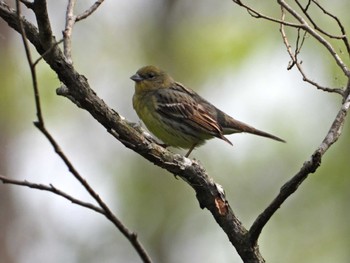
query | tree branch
[342, 28]
[308, 167]
[335, 130]
[44, 25]
[89, 11]
[41, 126]
[305, 11]
[256, 14]
[318, 37]
[303, 25]
[209, 194]
[71, 19]
[67, 33]
[52, 189]
[295, 61]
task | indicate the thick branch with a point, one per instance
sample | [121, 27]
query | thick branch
[45, 32]
[209, 194]
[41, 126]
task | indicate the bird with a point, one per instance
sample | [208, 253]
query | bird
[178, 115]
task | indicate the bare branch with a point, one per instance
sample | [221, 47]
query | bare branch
[71, 19]
[308, 167]
[46, 52]
[256, 14]
[286, 190]
[89, 11]
[209, 194]
[317, 36]
[294, 58]
[305, 26]
[305, 11]
[44, 25]
[336, 128]
[67, 33]
[52, 189]
[30, 62]
[347, 90]
[41, 126]
[342, 28]
[299, 44]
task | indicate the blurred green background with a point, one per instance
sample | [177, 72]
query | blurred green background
[236, 62]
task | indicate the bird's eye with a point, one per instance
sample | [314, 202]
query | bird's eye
[150, 75]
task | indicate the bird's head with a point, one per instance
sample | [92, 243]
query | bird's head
[151, 78]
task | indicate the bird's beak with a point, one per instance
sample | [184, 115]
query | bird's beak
[136, 78]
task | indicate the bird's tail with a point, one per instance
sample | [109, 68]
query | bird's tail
[230, 125]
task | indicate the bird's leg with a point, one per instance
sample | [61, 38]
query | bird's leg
[190, 150]
[187, 154]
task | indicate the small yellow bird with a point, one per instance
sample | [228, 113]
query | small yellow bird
[178, 115]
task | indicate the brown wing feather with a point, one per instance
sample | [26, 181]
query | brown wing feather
[179, 103]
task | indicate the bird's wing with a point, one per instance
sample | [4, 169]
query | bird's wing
[179, 103]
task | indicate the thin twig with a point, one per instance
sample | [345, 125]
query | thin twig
[89, 11]
[305, 26]
[52, 189]
[342, 28]
[299, 44]
[256, 14]
[31, 65]
[317, 36]
[305, 11]
[67, 33]
[46, 52]
[334, 132]
[41, 126]
[71, 19]
[191, 171]
[294, 58]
